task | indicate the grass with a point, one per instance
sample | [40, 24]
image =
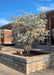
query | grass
[7, 45]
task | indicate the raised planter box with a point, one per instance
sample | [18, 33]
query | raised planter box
[25, 65]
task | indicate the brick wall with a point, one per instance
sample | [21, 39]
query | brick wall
[6, 39]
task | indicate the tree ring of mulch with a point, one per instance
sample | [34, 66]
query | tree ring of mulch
[32, 53]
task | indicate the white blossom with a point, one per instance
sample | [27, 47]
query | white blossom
[32, 27]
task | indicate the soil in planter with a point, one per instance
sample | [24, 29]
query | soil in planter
[32, 53]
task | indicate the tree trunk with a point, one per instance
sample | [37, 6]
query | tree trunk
[27, 46]
[27, 49]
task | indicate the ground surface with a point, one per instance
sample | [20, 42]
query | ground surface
[5, 70]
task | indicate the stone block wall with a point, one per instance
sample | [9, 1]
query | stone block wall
[26, 65]
[13, 62]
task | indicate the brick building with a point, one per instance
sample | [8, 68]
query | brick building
[5, 36]
[50, 27]
[7, 26]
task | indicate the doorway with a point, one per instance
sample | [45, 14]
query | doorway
[52, 30]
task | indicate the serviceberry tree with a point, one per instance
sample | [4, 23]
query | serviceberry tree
[28, 27]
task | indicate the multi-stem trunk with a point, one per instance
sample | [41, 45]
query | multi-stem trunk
[27, 45]
[27, 48]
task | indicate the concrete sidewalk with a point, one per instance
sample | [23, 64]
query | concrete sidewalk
[5, 70]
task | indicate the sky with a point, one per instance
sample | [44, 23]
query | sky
[30, 6]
